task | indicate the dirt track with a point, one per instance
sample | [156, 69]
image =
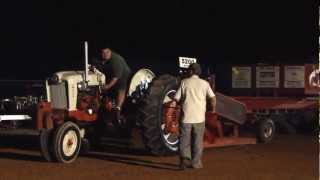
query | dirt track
[289, 157]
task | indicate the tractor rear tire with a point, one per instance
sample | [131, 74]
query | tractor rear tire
[151, 110]
[67, 142]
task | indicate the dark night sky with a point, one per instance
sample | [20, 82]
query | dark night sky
[40, 37]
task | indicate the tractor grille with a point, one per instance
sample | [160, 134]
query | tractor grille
[59, 96]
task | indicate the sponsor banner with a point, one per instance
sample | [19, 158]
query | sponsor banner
[241, 77]
[294, 76]
[312, 79]
[267, 76]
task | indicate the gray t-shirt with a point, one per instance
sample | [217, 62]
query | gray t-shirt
[116, 67]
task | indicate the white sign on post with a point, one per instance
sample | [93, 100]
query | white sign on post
[241, 77]
[267, 76]
[184, 62]
[294, 76]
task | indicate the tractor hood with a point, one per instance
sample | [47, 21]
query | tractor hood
[94, 77]
[66, 98]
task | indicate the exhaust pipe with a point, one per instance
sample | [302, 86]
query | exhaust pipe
[86, 74]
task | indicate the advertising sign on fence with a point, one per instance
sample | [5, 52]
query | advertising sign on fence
[294, 76]
[241, 77]
[267, 76]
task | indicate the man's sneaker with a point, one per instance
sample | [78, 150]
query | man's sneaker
[197, 166]
[182, 166]
[185, 163]
[188, 163]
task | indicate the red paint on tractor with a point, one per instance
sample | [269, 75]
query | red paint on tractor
[171, 118]
[43, 109]
[82, 116]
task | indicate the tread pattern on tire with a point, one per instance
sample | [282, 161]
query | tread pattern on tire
[46, 145]
[151, 113]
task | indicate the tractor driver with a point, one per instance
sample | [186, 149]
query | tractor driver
[117, 74]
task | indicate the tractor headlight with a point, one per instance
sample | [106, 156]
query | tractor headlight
[82, 86]
[90, 111]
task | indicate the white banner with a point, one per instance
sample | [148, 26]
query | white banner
[241, 77]
[267, 76]
[294, 76]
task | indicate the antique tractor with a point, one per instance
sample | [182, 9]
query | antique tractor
[77, 113]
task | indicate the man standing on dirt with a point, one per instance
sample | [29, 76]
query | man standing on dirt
[117, 74]
[193, 94]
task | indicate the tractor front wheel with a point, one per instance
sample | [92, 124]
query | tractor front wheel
[67, 142]
[45, 144]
